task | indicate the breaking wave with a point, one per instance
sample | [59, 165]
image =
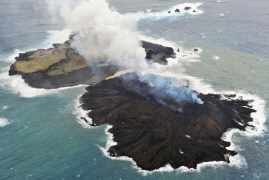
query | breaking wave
[3, 122]
[82, 115]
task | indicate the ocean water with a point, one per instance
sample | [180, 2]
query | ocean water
[40, 135]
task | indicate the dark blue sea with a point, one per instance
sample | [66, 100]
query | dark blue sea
[40, 134]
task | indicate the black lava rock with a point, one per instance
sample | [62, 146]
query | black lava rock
[154, 135]
[187, 8]
[158, 53]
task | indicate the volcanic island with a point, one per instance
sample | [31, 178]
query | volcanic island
[151, 132]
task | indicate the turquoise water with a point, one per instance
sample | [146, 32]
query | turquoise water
[44, 140]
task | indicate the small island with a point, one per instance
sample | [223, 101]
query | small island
[62, 66]
[153, 131]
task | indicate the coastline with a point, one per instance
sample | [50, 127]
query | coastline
[195, 84]
[232, 93]
[46, 138]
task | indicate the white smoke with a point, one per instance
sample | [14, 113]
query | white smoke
[103, 35]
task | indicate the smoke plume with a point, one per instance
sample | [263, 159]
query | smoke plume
[102, 34]
[169, 91]
[105, 35]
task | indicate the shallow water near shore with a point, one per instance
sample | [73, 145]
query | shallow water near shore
[41, 137]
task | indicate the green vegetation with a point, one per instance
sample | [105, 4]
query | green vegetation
[37, 64]
[76, 62]
[41, 60]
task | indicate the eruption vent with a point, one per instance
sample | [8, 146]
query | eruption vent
[168, 90]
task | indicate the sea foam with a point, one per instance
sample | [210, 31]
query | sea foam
[3, 122]
[82, 115]
[16, 85]
[164, 13]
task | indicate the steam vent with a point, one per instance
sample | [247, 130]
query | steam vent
[153, 134]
